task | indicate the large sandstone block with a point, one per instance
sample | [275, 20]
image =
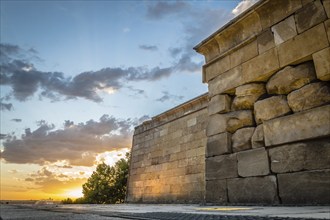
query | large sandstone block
[265, 41]
[254, 72]
[247, 95]
[269, 108]
[257, 190]
[243, 54]
[241, 139]
[302, 46]
[216, 191]
[326, 5]
[309, 96]
[218, 144]
[291, 78]
[284, 30]
[219, 104]
[217, 123]
[300, 156]
[221, 167]
[310, 15]
[308, 124]
[253, 162]
[327, 28]
[239, 119]
[311, 187]
[226, 82]
[322, 64]
[257, 139]
[216, 68]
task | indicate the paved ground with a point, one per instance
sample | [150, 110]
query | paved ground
[161, 212]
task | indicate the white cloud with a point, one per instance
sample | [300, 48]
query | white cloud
[242, 6]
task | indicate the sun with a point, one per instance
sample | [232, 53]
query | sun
[75, 193]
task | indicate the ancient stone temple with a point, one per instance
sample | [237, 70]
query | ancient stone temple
[261, 135]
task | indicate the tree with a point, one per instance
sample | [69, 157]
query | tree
[108, 183]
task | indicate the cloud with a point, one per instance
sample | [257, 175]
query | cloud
[77, 144]
[6, 106]
[169, 97]
[242, 6]
[160, 9]
[3, 136]
[25, 80]
[148, 47]
[16, 120]
[126, 30]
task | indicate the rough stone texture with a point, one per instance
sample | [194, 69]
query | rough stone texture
[284, 30]
[326, 5]
[327, 28]
[226, 82]
[254, 72]
[265, 41]
[216, 68]
[243, 54]
[302, 46]
[247, 95]
[300, 156]
[216, 124]
[322, 64]
[270, 108]
[219, 104]
[253, 162]
[216, 191]
[257, 139]
[218, 144]
[310, 15]
[239, 119]
[309, 96]
[262, 190]
[311, 187]
[313, 123]
[291, 78]
[221, 167]
[241, 139]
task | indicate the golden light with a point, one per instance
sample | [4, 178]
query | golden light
[75, 193]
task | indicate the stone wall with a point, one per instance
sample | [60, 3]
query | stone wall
[168, 156]
[269, 113]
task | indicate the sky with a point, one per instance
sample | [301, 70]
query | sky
[78, 76]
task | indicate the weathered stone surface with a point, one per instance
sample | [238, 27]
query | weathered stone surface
[304, 125]
[247, 95]
[217, 123]
[269, 108]
[284, 30]
[218, 144]
[221, 167]
[257, 139]
[265, 41]
[254, 72]
[310, 187]
[210, 50]
[253, 162]
[322, 64]
[216, 191]
[239, 119]
[291, 78]
[243, 54]
[300, 156]
[302, 46]
[326, 5]
[310, 15]
[309, 96]
[219, 104]
[259, 190]
[327, 28]
[226, 82]
[216, 68]
[275, 11]
[241, 139]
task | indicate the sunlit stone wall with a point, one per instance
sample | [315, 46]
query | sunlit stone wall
[268, 74]
[168, 156]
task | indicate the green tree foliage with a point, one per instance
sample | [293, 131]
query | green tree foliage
[108, 183]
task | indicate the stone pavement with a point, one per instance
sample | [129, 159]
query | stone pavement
[162, 212]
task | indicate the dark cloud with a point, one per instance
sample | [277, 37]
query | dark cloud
[16, 120]
[6, 106]
[25, 80]
[169, 97]
[161, 9]
[3, 136]
[77, 144]
[148, 47]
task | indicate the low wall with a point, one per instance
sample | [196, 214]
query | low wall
[168, 156]
[269, 113]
